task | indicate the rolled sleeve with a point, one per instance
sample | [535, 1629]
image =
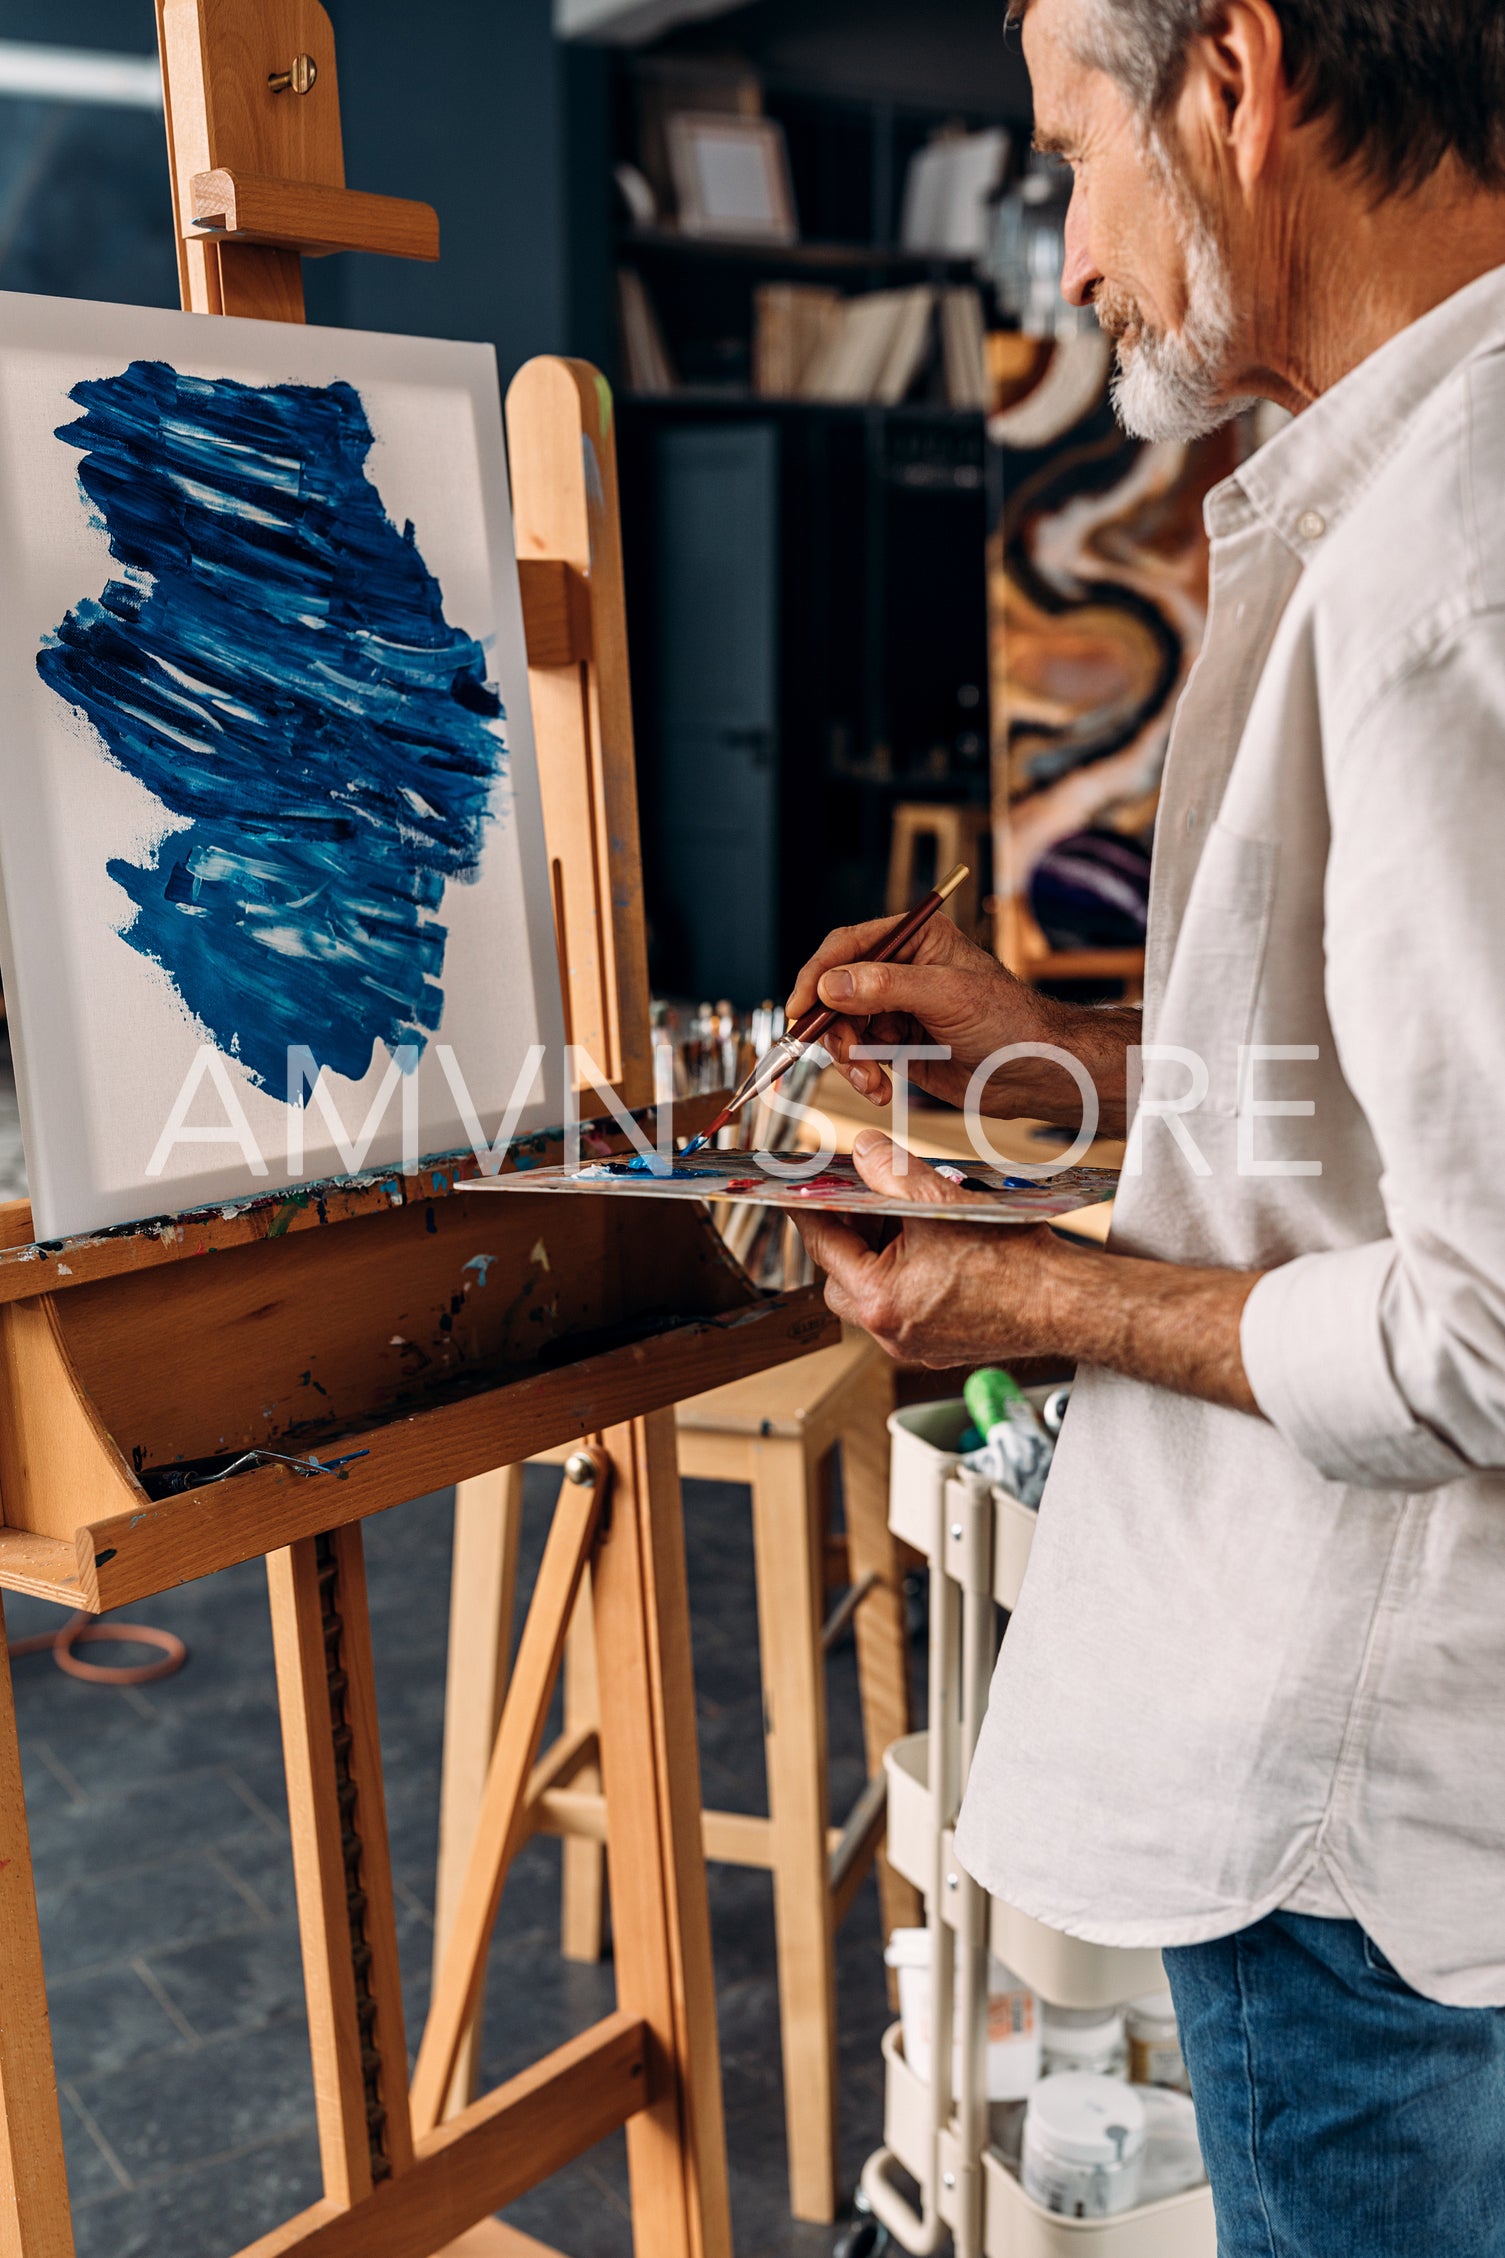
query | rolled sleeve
[1384, 1363]
[1315, 1355]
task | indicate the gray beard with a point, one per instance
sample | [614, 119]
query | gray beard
[1167, 387]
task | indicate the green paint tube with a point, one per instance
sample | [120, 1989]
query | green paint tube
[1018, 1450]
[993, 1397]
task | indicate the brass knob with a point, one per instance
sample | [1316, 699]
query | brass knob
[299, 79]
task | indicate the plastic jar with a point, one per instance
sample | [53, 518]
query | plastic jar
[1155, 2057]
[1084, 2142]
[1083, 2040]
[1013, 2019]
[1172, 2152]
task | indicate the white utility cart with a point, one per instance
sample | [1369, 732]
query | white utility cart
[977, 1539]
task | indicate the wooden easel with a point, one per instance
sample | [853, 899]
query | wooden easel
[123, 1358]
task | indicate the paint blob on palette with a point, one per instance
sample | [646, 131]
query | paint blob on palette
[981, 1194]
[269, 806]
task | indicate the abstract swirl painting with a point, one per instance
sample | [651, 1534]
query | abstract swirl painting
[1097, 585]
[277, 669]
[270, 789]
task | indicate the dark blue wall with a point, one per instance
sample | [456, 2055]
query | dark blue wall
[124, 27]
[462, 103]
[83, 192]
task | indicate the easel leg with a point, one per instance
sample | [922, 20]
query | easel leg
[661, 1927]
[34, 2217]
[881, 1626]
[326, 1687]
[460, 1985]
[483, 1598]
[584, 1892]
[789, 1548]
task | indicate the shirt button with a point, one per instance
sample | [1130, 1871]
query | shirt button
[1191, 819]
[1311, 525]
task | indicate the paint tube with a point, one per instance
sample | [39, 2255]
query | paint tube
[1054, 1411]
[1018, 1450]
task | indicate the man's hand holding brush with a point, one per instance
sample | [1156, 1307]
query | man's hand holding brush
[943, 1293]
[944, 991]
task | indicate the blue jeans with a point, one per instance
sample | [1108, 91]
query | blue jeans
[1341, 2114]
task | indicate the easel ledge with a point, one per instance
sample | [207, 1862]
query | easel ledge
[153, 1544]
[29, 1265]
[107, 1376]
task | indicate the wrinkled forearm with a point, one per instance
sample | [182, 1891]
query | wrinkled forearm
[1162, 1322]
[1100, 1040]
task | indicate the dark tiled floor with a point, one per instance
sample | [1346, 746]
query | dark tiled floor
[165, 1885]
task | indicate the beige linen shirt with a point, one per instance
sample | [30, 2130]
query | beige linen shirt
[1261, 1663]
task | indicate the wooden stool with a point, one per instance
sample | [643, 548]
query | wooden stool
[1019, 943]
[958, 834]
[777, 1433]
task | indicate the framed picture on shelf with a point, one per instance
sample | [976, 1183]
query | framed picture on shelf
[731, 176]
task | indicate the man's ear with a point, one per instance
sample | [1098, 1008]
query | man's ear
[1236, 90]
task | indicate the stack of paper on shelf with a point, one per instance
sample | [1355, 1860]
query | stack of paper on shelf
[949, 190]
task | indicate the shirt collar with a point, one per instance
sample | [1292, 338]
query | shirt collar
[1305, 479]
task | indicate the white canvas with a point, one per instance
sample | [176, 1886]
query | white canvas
[104, 1031]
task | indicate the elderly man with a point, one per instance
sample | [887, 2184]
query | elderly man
[1252, 1706]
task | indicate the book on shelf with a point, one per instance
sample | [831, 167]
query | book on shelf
[792, 323]
[646, 365]
[810, 343]
[964, 350]
[909, 342]
[876, 350]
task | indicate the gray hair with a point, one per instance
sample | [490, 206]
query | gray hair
[1401, 85]
[1144, 45]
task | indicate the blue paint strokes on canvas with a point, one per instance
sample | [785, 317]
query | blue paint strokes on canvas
[274, 664]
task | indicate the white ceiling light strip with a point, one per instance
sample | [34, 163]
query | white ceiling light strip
[630, 20]
[80, 74]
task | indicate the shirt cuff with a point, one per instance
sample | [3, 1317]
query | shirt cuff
[1315, 1357]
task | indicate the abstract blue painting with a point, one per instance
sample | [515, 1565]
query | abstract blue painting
[275, 666]
[278, 739]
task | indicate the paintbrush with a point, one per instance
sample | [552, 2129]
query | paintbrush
[815, 1022]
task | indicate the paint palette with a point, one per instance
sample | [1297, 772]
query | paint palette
[990, 1195]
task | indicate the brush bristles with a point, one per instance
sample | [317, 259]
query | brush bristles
[702, 1143]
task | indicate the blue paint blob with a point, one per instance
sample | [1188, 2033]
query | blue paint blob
[639, 1165]
[276, 667]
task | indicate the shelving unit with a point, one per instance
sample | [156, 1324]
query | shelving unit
[855, 259]
[835, 664]
[704, 401]
[793, 686]
[977, 1541]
